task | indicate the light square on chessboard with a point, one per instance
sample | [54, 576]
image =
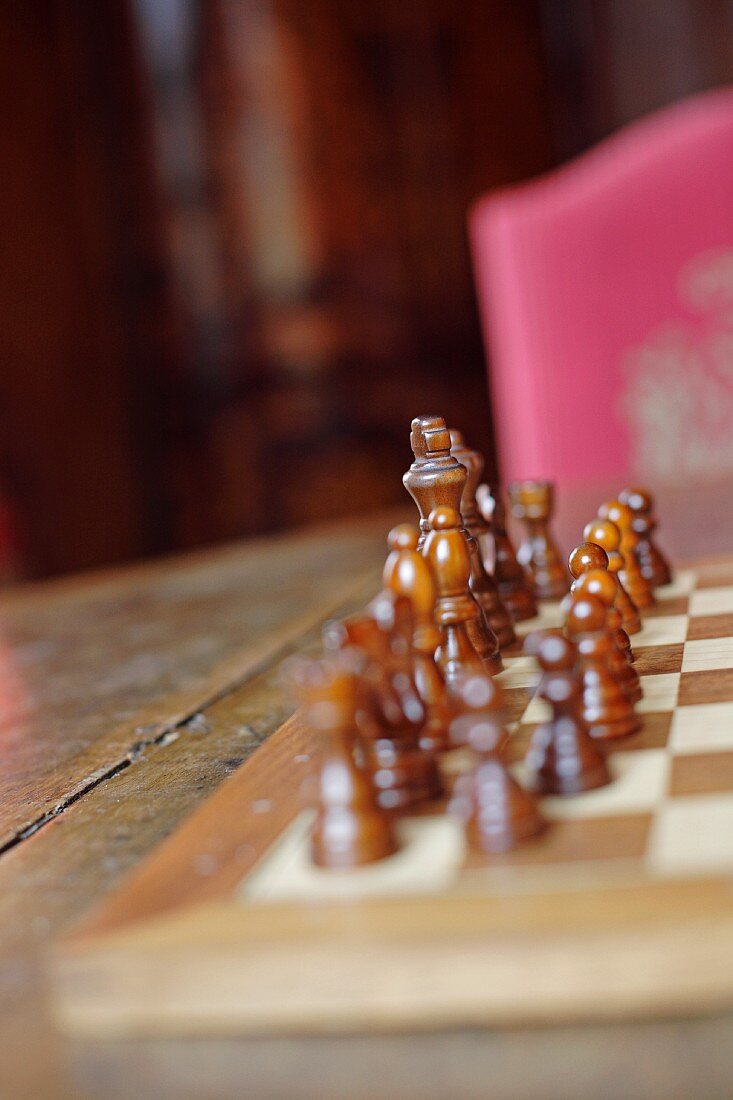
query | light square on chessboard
[660, 693]
[702, 773]
[549, 618]
[639, 782]
[518, 672]
[662, 630]
[712, 601]
[707, 654]
[432, 848]
[683, 582]
[705, 728]
[692, 835]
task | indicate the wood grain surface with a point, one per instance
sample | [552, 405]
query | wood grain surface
[128, 697]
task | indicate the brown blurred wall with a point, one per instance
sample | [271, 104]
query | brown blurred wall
[235, 260]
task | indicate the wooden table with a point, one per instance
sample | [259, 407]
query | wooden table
[126, 698]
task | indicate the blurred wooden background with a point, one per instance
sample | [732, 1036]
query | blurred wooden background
[234, 259]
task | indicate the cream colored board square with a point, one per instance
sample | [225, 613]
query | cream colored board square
[712, 601]
[705, 654]
[664, 630]
[518, 672]
[660, 692]
[704, 728]
[539, 710]
[683, 583]
[549, 618]
[692, 835]
[640, 780]
[432, 850]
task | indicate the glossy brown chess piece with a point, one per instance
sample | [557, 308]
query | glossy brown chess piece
[607, 709]
[487, 592]
[607, 535]
[407, 573]
[630, 575]
[464, 643]
[532, 502]
[562, 756]
[500, 558]
[437, 478]
[391, 716]
[498, 814]
[599, 583]
[652, 562]
[350, 829]
[586, 557]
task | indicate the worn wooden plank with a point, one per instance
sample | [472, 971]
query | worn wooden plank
[92, 670]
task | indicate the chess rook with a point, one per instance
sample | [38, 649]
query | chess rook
[652, 562]
[562, 756]
[498, 814]
[630, 575]
[500, 558]
[407, 573]
[466, 645]
[532, 503]
[607, 535]
[607, 709]
[484, 585]
[349, 829]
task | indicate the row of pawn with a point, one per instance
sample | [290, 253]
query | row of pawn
[411, 678]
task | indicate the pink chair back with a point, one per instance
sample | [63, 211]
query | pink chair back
[606, 294]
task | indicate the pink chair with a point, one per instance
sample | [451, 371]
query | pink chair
[606, 294]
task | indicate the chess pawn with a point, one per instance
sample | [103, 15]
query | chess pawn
[464, 645]
[500, 558]
[436, 478]
[390, 717]
[407, 573]
[532, 502]
[483, 584]
[607, 709]
[607, 535]
[498, 814]
[599, 583]
[583, 559]
[562, 756]
[630, 575]
[652, 562]
[350, 829]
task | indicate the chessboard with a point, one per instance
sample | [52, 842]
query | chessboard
[622, 908]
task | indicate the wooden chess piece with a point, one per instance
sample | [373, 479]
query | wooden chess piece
[599, 583]
[350, 829]
[498, 814]
[436, 478]
[607, 709]
[607, 535]
[487, 591]
[532, 502]
[586, 557]
[390, 718]
[407, 573]
[562, 756]
[500, 558]
[631, 576]
[652, 562]
[464, 646]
